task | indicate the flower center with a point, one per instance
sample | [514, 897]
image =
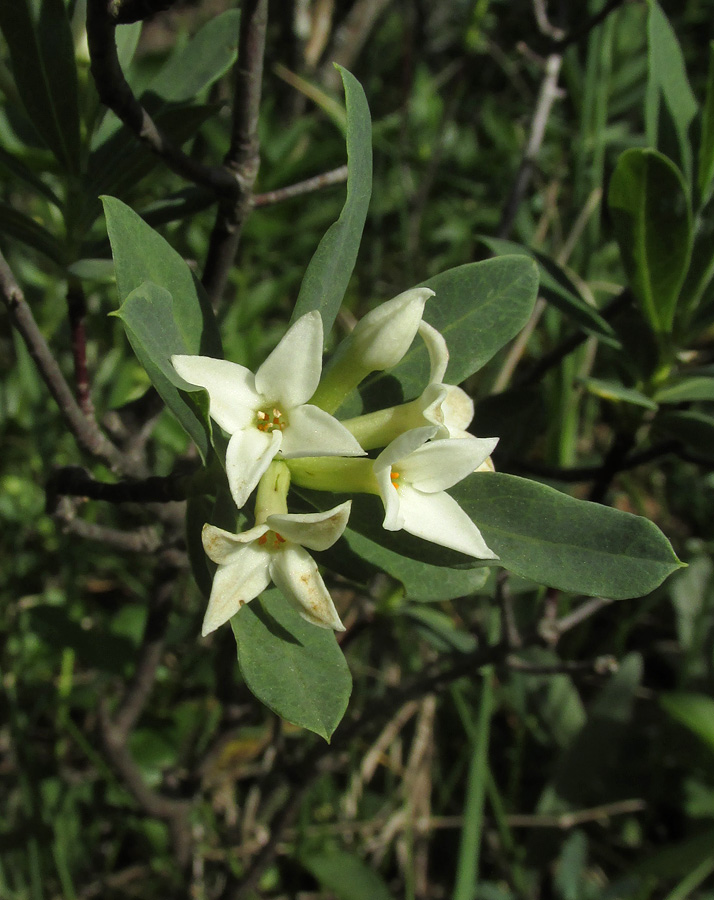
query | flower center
[271, 540]
[270, 418]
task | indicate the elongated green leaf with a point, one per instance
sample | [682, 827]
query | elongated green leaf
[329, 271]
[556, 540]
[696, 387]
[422, 582]
[208, 55]
[613, 391]
[694, 711]
[345, 876]
[22, 228]
[41, 48]
[141, 254]
[671, 105]
[706, 146]
[558, 289]
[652, 222]
[294, 668]
[149, 317]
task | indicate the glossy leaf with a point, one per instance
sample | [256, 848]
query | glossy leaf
[296, 669]
[41, 48]
[150, 321]
[652, 222]
[615, 392]
[329, 271]
[556, 540]
[670, 104]
[558, 289]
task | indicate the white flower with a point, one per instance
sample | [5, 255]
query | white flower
[378, 341]
[267, 413]
[274, 551]
[413, 476]
[444, 405]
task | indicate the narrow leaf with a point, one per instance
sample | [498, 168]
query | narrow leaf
[296, 669]
[615, 392]
[41, 48]
[652, 222]
[329, 271]
[706, 147]
[22, 228]
[698, 387]
[556, 540]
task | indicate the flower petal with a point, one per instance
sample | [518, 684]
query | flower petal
[393, 516]
[383, 336]
[402, 446]
[248, 455]
[317, 531]
[235, 585]
[290, 375]
[313, 432]
[439, 518]
[458, 411]
[221, 546]
[439, 465]
[295, 573]
[437, 350]
[231, 388]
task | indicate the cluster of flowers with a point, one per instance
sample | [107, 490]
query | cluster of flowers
[282, 430]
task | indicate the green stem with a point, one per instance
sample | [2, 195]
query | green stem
[272, 496]
[334, 473]
[381, 427]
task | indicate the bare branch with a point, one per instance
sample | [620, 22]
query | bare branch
[242, 159]
[73, 481]
[85, 429]
[115, 92]
[334, 176]
[141, 540]
[76, 312]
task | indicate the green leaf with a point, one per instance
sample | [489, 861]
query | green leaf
[207, 56]
[652, 223]
[21, 227]
[422, 582]
[141, 254]
[41, 48]
[345, 876]
[668, 92]
[691, 388]
[694, 711]
[329, 271]
[614, 391]
[17, 169]
[556, 540]
[705, 166]
[296, 669]
[558, 289]
[149, 317]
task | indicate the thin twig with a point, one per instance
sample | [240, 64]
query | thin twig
[316, 183]
[242, 159]
[115, 93]
[85, 429]
[141, 540]
[76, 312]
[73, 481]
[547, 95]
[601, 665]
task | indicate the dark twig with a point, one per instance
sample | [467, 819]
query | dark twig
[242, 159]
[141, 540]
[73, 481]
[547, 95]
[85, 429]
[76, 312]
[114, 91]
[334, 176]
[622, 443]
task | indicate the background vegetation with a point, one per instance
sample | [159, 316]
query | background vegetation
[577, 763]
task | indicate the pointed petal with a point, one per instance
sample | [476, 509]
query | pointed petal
[458, 411]
[290, 375]
[235, 585]
[248, 455]
[383, 336]
[317, 531]
[402, 446]
[221, 546]
[313, 432]
[439, 518]
[431, 403]
[295, 573]
[437, 350]
[439, 465]
[231, 388]
[393, 516]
